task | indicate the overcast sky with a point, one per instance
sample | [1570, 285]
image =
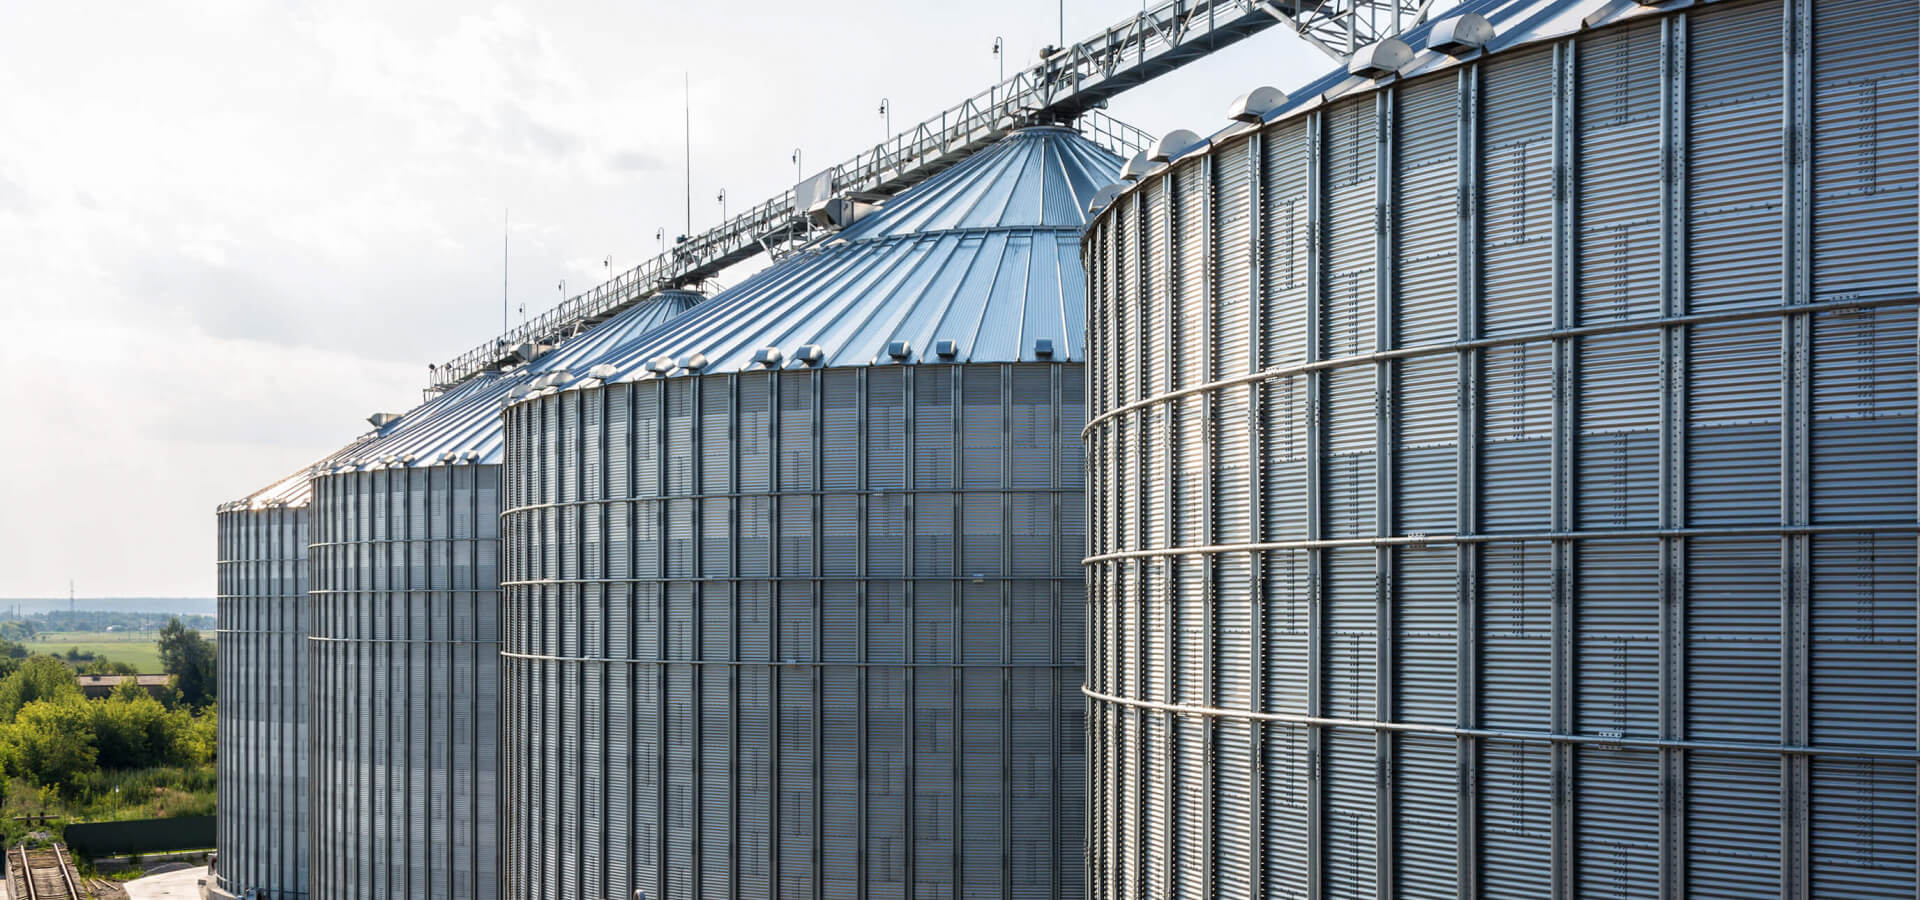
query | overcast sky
[229, 231]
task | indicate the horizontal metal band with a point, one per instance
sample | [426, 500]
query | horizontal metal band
[393, 542]
[1075, 578]
[344, 640]
[722, 495]
[1533, 737]
[1513, 538]
[777, 664]
[1506, 341]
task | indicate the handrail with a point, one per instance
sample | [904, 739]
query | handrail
[1068, 86]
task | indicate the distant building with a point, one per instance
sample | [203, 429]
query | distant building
[99, 686]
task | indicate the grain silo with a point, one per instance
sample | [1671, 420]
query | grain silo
[405, 640]
[1503, 470]
[262, 735]
[793, 599]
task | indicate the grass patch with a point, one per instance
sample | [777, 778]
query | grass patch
[140, 649]
[107, 796]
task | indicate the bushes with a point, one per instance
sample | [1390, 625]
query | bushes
[56, 740]
[51, 741]
[39, 678]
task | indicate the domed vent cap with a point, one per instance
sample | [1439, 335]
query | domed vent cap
[693, 362]
[1172, 144]
[899, 350]
[771, 357]
[1461, 34]
[1103, 198]
[660, 365]
[811, 354]
[382, 420]
[603, 371]
[1254, 105]
[1136, 167]
[1380, 60]
[946, 349]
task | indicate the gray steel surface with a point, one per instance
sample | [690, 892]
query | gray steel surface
[982, 257]
[262, 761]
[405, 632]
[262, 738]
[1503, 475]
[810, 626]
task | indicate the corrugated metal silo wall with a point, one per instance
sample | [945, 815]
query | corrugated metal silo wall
[262, 765]
[1558, 544]
[406, 683]
[807, 634]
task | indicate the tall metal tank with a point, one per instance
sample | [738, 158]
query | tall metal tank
[406, 639]
[262, 761]
[1503, 472]
[793, 595]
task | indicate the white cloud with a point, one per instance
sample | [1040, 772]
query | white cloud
[229, 231]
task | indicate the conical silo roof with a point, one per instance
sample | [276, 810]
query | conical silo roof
[463, 424]
[978, 264]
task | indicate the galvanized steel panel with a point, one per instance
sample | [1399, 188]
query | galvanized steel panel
[1599, 581]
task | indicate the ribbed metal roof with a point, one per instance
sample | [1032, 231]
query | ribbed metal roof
[463, 424]
[1515, 23]
[984, 255]
[295, 489]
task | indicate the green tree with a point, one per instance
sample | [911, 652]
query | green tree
[52, 741]
[133, 731]
[188, 657]
[203, 737]
[38, 678]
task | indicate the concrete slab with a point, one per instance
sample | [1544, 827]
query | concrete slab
[182, 885]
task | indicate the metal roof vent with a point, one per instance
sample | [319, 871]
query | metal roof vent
[1460, 34]
[1170, 146]
[1254, 105]
[530, 351]
[660, 365]
[408, 458]
[1381, 59]
[603, 371]
[1136, 167]
[519, 390]
[811, 354]
[1103, 197]
[472, 455]
[693, 362]
[899, 349]
[1043, 348]
[770, 357]
[449, 456]
[946, 349]
[390, 459]
[382, 420]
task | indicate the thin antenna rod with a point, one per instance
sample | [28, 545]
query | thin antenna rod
[686, 94]
[505, 217]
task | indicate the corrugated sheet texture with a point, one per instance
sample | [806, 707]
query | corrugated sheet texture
[262, 760]
[262, 741]
[797, 634]
[984, 255]
[406, 683]
[465, 421]
[1503, 480]
[406, 595]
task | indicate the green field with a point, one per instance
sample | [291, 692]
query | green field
[138, 649]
